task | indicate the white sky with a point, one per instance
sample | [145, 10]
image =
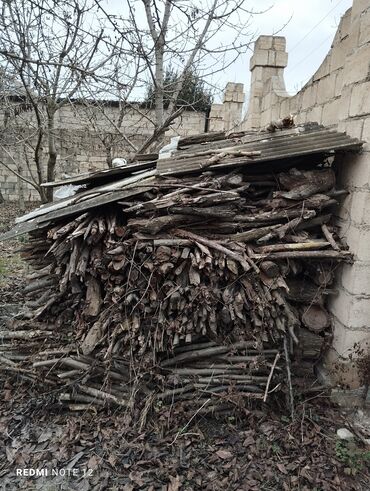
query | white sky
[320, 16]
[309, 35]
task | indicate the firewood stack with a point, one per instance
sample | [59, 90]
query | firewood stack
[196, 286]
[189, 293]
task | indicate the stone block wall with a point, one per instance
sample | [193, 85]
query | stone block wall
[80, 131]
[338, 96]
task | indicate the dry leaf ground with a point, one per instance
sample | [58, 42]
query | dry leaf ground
[260, 449]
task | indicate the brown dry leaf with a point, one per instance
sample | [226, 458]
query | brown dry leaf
[93, 462]
[112, 459]
[248, 441]
[224, 454]
[10, 454]
[174, 484]
[232, 266]
[136, 478]
[282, 468]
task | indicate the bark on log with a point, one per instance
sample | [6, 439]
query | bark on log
[315, 318]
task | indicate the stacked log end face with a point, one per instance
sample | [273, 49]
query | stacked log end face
[205, 292]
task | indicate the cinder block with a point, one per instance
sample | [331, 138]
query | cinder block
[279, 43]
[353, 311]
[330, 112]
[293, 105]
[364, 28]
[354, 128]
[339, 54]
[360, 100]
[345, 101]
[360, 207]
[345, 340]
[366, 134]
[257, 74]
[264, 42]
[358, 7]
[357, 65]
[354, 171]
[301, 117]
[324, 68]
[284, 108]
[281, 59]
[357, 238]
[355, 278]
[307, 97]
[338, 83]
[340, 360]
[259, 58]
[326, 89]
[315, 114]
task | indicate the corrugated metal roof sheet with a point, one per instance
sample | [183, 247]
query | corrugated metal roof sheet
[193, 156]
[285, 144]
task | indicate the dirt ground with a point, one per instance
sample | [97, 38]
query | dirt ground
[260, 448]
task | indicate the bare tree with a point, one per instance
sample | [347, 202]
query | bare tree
[186, 35]
[50, 52]
[53, 54]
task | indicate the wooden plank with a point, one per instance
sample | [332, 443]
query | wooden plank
[106, 174]
[115, 185]
[44, 221]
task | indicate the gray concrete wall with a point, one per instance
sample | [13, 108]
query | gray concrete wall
[338, 96]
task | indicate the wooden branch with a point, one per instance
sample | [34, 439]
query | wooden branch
[329, 237]
[270, 376]
[245, 262]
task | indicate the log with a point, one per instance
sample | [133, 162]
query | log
[304, 291]
[329, 237]
[310, 344]
[205, 353]
[25, 334]
[270, 269]
[315, 318]
[93, 297]
[301, 246]
[251, 235]
[160, 223]
[336, 255]
[302, 184]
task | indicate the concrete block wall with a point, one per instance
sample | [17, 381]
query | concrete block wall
[80, 131]
[337, 95]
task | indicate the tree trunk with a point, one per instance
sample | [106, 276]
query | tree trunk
[52, 160]
[159, 89]
[20, 188]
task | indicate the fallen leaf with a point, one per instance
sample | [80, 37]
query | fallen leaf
[282, 468]
[224, 454]
[174, 484]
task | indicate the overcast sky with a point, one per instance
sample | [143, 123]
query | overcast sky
[309, 29]
[306, 50]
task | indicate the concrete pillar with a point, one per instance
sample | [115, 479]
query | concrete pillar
[268, 61]
[228, 115]
[233, 105]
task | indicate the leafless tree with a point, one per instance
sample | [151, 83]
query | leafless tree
[207, 35]
[57, 53]
[48, 53]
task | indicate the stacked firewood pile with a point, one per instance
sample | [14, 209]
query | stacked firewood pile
[204, 291]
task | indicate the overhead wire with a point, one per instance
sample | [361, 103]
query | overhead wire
[316, 25]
